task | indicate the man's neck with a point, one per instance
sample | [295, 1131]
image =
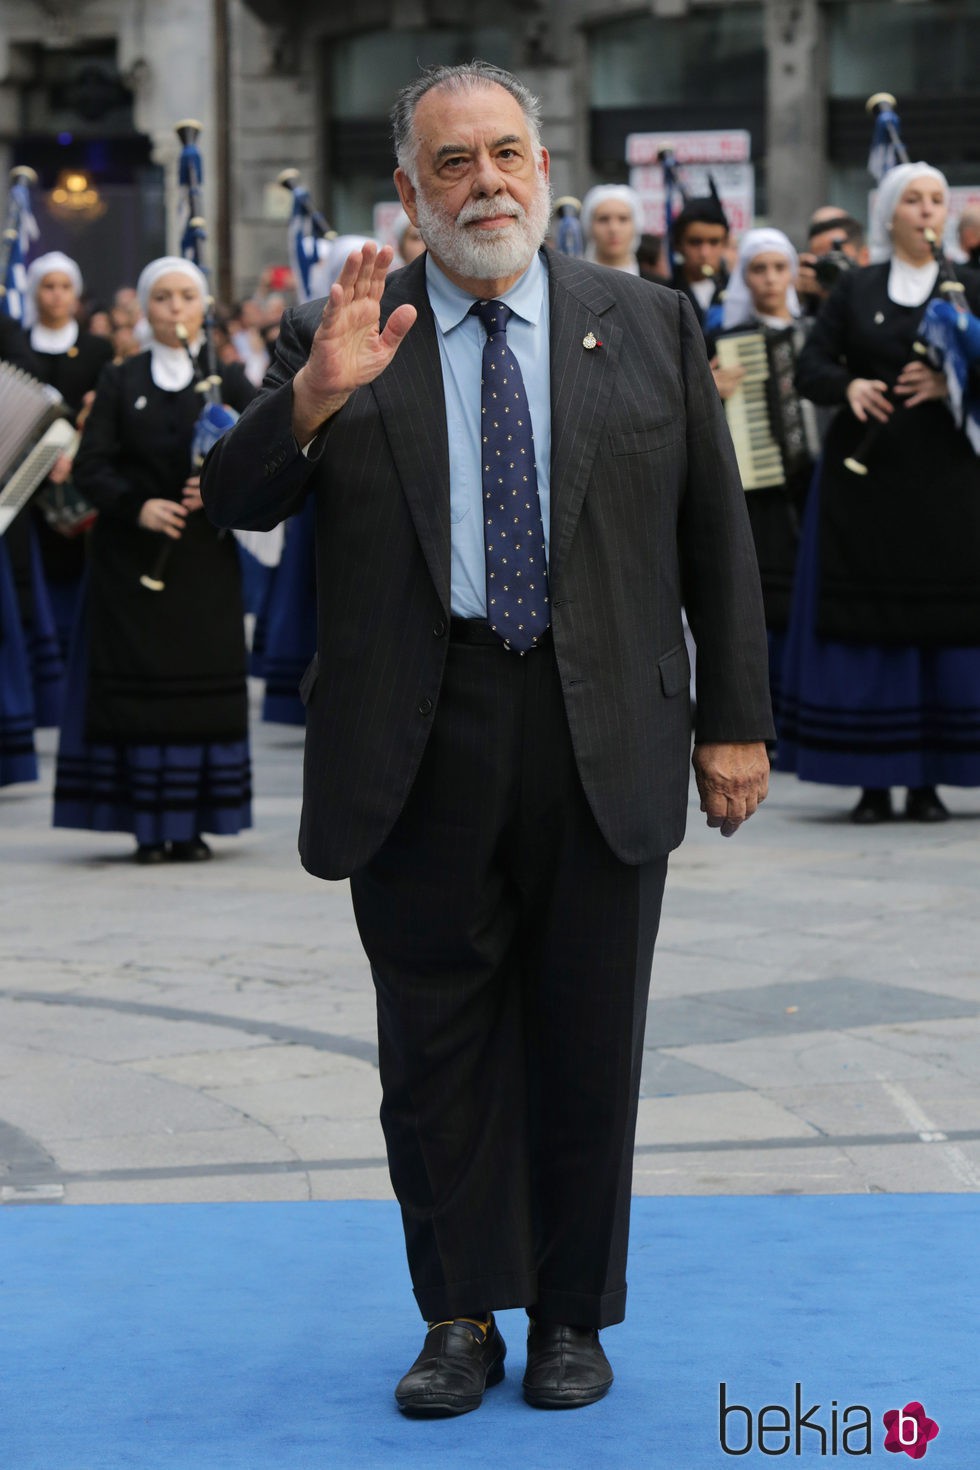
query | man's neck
[483, 290]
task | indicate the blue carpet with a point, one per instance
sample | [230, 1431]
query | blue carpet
[270, 1336]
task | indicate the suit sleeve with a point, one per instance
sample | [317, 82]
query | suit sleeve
[719, 570]
[257, 475]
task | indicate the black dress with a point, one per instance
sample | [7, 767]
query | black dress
[881, 681]
[155, 736]
[73, 373]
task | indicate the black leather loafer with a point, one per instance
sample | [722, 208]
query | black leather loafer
[457, 1363]
[923, 805]
[149, 853]
[875, 806]
[566, 1367]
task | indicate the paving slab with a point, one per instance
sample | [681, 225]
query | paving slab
[209, 1032]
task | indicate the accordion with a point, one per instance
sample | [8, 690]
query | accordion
[33, 433]
[769, 424]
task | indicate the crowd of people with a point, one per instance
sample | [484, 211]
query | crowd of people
[506, 476]
[868, 583]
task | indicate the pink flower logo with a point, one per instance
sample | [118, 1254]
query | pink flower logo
[909, 1429]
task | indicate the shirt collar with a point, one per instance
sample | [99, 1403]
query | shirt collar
[451, 304]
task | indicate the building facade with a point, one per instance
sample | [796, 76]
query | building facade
[95, 86]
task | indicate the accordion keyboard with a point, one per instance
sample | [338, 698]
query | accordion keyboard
[760, 462]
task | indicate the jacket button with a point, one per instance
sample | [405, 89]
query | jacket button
[425, 706]
[439, 629]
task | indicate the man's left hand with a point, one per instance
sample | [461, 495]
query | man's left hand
[732, 781]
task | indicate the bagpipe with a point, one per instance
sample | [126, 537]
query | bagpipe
[310, 239]
[215, 418]
[19, 231]
[673, 189]
[676, 191]
[948, 337]
[568, 227]
[887, 148]
[310, 235]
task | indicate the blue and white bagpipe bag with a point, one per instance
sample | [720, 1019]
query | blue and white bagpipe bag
[951, 335]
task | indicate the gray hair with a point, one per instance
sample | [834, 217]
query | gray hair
[470, 76]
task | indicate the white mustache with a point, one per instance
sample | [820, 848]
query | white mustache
[488, 209]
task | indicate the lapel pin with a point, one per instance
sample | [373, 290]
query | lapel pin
[590, 340]
[72, 352]
[140, 402]
[879, 318]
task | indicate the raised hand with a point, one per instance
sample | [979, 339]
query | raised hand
[349, 348]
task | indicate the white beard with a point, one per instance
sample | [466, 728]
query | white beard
[480, 256]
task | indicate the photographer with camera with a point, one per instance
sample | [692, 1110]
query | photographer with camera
[836, 244]
[968, 236]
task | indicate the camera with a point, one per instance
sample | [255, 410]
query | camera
[830, 266]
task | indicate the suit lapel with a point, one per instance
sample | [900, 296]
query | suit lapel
[409, 394]
[582, 380]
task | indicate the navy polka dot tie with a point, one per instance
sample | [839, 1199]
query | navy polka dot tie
[517, 574]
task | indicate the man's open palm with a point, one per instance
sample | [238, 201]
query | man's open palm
[349, 348]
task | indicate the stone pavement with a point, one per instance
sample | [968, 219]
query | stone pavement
[206, 1032]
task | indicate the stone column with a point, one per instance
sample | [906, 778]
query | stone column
[796, 122]
[166, 53]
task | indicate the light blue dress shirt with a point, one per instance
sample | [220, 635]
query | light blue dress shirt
[461, 341]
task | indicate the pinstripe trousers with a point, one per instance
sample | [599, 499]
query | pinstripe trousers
[511, 954]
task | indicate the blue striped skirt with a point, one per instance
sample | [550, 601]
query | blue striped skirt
[858, 714]
[159, 793]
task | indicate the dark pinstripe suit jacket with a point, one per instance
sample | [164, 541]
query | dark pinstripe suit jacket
[647, 512]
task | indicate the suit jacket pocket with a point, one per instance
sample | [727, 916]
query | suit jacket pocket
[675, 671]
[309, 678]
[642, 441]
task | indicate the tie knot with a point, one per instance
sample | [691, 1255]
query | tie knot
[494, 315]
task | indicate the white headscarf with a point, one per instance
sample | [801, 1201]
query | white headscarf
[326, 271]
[597, 196]
[47, 265]
[738, 308]
[167, 265]
[170, 367]
[889, 192]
